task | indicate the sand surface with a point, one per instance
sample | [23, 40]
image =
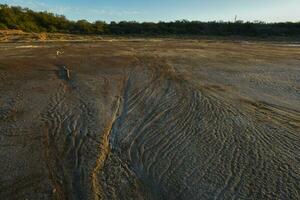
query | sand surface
[150, 119]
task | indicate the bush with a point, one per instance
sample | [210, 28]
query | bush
[3, 26]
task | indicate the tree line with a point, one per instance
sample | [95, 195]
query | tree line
[15, 17]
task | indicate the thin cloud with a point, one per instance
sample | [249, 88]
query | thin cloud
[112, 12]
[70, 10]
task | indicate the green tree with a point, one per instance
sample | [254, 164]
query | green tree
[99, 27]
[83, 26]
[14, 17]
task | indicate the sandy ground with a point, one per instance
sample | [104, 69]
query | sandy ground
[150, 119]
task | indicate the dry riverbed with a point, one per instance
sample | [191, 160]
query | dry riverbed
[150, 119]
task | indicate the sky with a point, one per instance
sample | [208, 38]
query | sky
[168, 10]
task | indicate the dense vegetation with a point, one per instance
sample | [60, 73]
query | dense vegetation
[12, 17]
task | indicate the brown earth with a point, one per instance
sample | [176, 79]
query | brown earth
[149, 119]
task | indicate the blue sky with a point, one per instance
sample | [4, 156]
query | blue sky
[168, 10]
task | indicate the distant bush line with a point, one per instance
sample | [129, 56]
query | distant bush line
[13, 17]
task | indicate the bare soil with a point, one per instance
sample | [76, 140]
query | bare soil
[149, 119]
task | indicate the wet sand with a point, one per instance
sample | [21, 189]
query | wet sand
[150, 119]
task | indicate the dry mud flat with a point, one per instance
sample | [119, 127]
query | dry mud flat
[152, 119]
